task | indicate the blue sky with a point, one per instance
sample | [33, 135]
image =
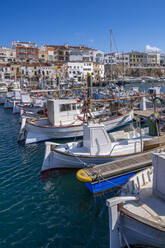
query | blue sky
[135, 23]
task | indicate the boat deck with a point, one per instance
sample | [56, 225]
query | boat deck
[148, 208]
[119, 167]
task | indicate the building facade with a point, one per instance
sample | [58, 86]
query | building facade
[117, 59]
[7, 55]
[143, 59]
[56, 54]
[82, 53]
[80, 70]
[25, 51]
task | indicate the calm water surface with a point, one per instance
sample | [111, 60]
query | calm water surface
[37, 212]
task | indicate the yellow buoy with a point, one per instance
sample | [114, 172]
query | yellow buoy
[83, 176]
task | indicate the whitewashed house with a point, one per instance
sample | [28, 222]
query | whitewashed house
[79, 70]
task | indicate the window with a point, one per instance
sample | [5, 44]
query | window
[23, 50]
[22, 56]
[73, 106]
[50, 58]
[79, 106]
[65, 107]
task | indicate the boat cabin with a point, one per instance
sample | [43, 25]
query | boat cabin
[96, 140]
[158, 161]
[25, 98]
[63, 110]
[154, 90]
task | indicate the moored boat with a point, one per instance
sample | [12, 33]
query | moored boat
[65, 120]
[97, 147]
[137, 217]
[12, 98]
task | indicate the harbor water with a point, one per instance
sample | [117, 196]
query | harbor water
[47, 212]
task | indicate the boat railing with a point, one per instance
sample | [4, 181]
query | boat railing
[134, 185]
[133, 142]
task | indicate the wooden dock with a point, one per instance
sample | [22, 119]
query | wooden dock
[146, 113]
[119, 167]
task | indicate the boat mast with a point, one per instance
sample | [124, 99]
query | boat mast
[87, 100]
[111, 50]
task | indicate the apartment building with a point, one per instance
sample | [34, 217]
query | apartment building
[80, 70]
[65, 53]
[52, 53]
[15, 70]
[162, 59]
[143, 59]
[117, 59]
[7, 55]
[25, 51]
[4, 71]
[82, 53]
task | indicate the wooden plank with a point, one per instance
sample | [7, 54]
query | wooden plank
[119, 166]
[153, 143]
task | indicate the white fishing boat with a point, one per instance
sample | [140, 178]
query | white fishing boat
[137, 217]
[28, 104]
[3, 92]
[34, 107]
[97, 147]
[65, 120]
[24, 100]
[2, 97]
[3, 87]
[61, 122]
[12, 98]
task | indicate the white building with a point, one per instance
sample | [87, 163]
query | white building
[144, 59]
[4, 72]
[162, 59]
[24, 44]
[79, 70]
[101, 70]
[48, 71]
[116, 58]
[153, 59]
[81, 53]
[7, 55]
[98, 56]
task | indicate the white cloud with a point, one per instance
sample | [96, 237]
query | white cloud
[152, 49]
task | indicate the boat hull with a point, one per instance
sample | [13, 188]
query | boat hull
[36, 133]
[8, 104]
[54, 160]
[138, 233]
[63, 156]
[109, 184]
